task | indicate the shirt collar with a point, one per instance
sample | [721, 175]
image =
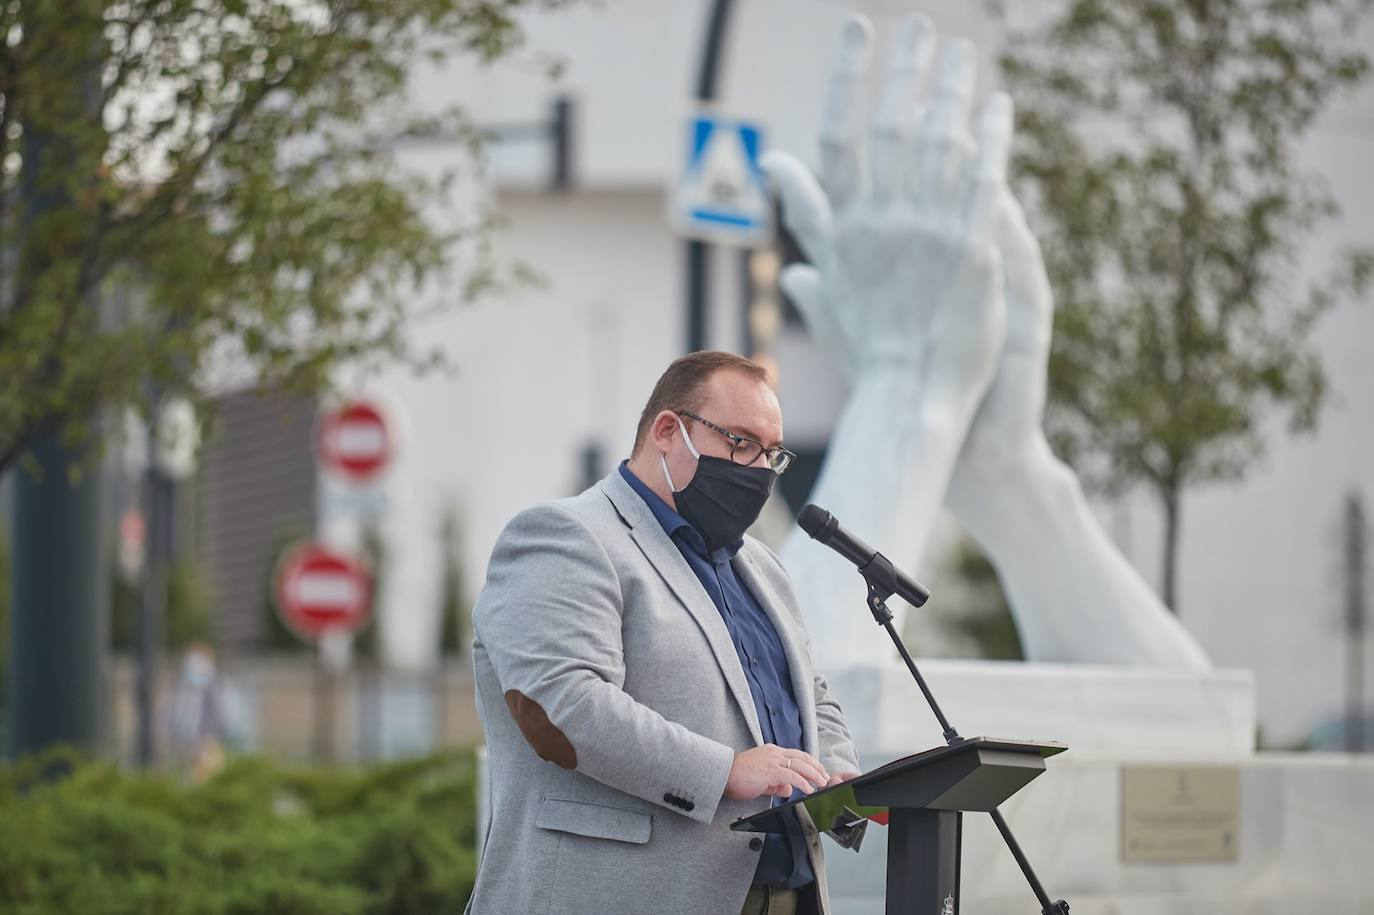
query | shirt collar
[672, 522]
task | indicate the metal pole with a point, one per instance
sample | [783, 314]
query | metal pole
[60, 603]
[60, 600]
[152, 605]
[1354, 623]
[698, 252]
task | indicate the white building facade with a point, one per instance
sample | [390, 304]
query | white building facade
[551, 379]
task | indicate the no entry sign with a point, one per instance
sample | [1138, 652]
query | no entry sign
[320, 590]
[354, 441]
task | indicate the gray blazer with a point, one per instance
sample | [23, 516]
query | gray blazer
[613, 704]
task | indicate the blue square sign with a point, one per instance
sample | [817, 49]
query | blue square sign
[722, 195]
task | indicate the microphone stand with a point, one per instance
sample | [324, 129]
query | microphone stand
[880, 575]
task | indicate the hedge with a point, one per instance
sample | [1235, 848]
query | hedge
[258, 838]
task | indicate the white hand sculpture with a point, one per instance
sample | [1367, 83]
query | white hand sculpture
[906, 287]
[909, 291]
[1072, 593]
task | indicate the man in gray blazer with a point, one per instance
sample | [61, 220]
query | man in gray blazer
[644, 678]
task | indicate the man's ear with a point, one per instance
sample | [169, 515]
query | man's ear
[661, 432]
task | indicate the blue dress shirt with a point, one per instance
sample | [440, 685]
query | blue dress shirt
[784, 860]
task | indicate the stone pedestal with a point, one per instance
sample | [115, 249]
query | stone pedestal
[1303, 841]
[1113, 712]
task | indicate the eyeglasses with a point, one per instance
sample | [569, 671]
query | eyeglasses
[745, 450]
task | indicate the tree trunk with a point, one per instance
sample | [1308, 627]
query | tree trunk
[60, 618]
[1173, 509]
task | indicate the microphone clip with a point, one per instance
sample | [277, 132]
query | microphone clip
[881, 577]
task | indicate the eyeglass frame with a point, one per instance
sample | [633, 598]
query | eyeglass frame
[737, 440]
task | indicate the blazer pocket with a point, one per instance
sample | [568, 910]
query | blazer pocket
[595, 820]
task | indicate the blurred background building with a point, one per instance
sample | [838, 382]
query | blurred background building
[551, 378]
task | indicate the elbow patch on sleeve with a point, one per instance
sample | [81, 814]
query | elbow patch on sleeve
[543, 735]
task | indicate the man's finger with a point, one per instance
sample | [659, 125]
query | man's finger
[807, 765]
[840, 121]
[805, 210]
[798, 781]
[889, 157]
[989, 176]
[944, 142]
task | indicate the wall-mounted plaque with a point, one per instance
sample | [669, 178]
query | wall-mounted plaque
[1175, 814]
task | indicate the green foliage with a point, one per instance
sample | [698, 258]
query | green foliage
[257, 838]
[457, 615]
[982, 612]
[228, 168]
[186, 610]
[4, 637]
[374, 552]
[1158, 152]
[276, 637]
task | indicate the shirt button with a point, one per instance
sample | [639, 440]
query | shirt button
[755, 843]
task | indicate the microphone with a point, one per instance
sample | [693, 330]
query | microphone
[822, 526]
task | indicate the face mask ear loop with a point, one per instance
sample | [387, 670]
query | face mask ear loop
[688, 439]
[690, 447]
[666, 475]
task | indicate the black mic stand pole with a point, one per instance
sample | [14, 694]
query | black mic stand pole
[881, 578]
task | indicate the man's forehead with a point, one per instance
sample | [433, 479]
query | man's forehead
[744, 405]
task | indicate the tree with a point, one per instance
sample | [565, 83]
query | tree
[1158, 151]
[229, 161]
[982, 615]
[454, 608]
[187, 612]
[4, 632]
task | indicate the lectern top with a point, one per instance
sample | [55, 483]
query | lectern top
[828, 803]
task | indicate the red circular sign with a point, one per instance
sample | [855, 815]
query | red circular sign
[319, 589]
[354, 441]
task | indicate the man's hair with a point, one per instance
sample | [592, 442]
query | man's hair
[683, 386]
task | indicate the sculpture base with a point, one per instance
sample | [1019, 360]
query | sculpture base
[1116, 712]
[1300, 842]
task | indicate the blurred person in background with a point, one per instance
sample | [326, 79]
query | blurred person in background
[196, 725]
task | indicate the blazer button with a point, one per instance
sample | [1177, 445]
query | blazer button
[688, 805]
[755, 843]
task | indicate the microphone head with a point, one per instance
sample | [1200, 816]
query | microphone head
[816, 521]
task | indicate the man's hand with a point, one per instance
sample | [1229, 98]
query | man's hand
[771, 769]
[840, 778]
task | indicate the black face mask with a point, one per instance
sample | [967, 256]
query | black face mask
[723, 499]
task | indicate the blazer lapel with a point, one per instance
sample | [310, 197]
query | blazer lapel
[664, 556]
[793, 643]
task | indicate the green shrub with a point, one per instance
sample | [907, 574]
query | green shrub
[257, 839]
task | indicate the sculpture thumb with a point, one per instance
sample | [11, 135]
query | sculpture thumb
[805, 208]
[804, 286]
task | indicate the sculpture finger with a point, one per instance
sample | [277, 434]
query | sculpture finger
[944, 143]
[805, 288]
[805, 210]
[988, 178]
[894, 122]
[1030, 300]
[841, 167]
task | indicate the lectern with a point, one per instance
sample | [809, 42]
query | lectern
[927, 793]
[924, 797]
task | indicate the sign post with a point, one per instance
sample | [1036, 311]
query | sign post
[324, 596]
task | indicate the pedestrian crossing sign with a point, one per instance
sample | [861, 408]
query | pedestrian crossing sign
[722, 196]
